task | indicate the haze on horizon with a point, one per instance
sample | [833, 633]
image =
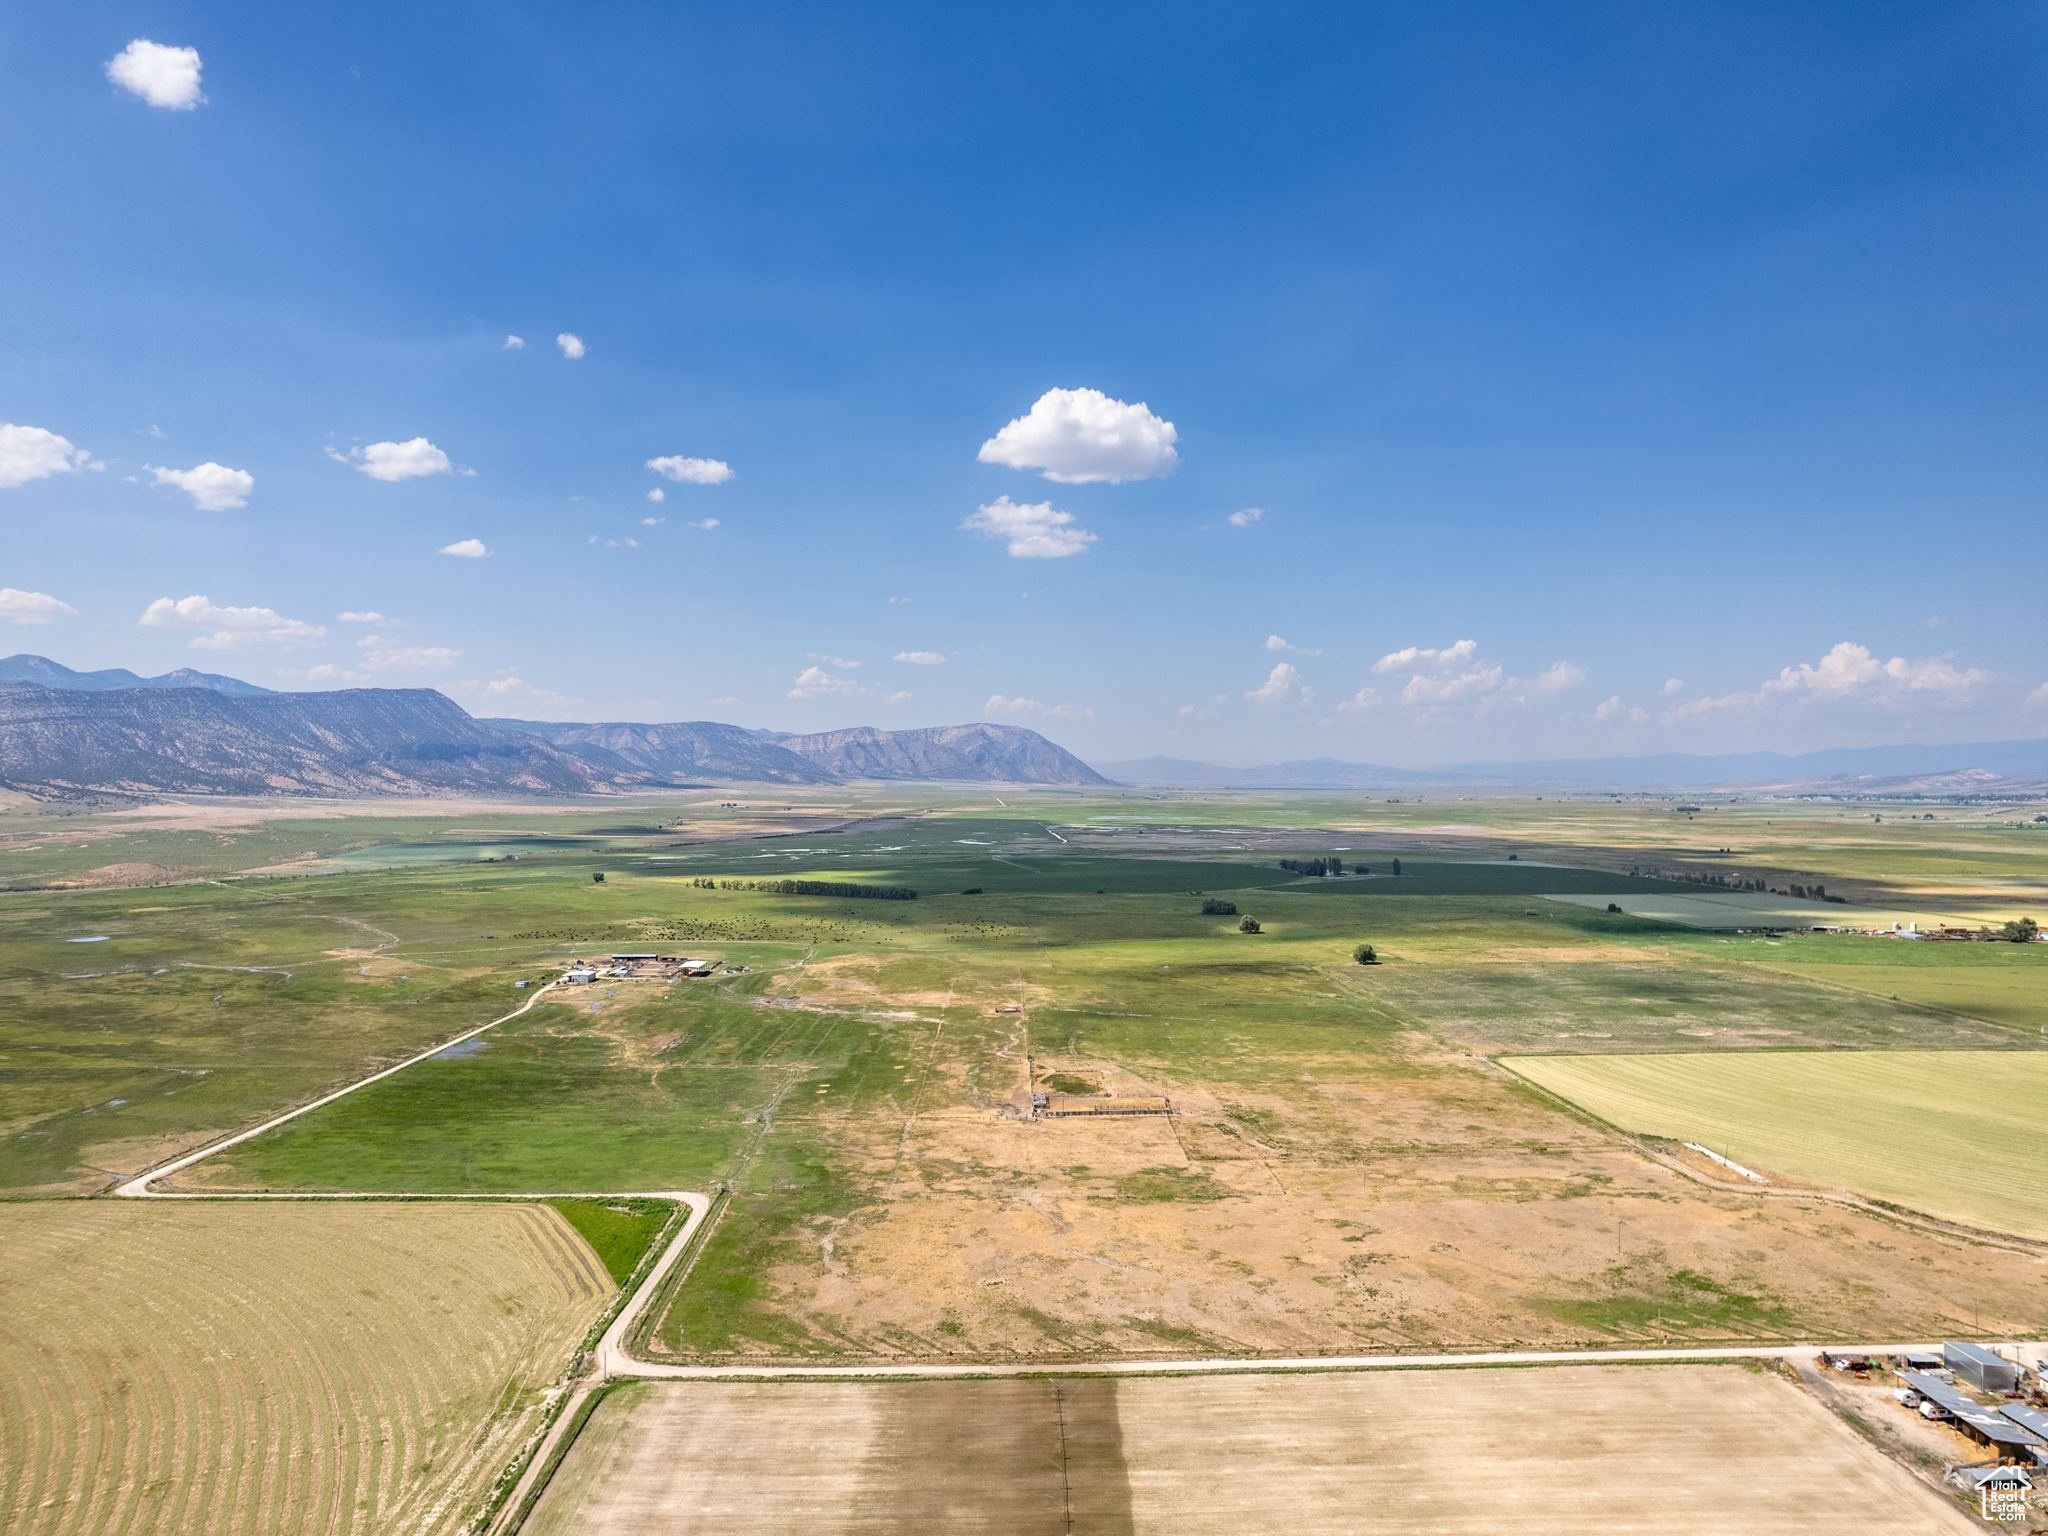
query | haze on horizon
[1412, 386]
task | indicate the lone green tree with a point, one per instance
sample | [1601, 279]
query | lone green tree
[1248, 925]
[2021, 930]
[1397, 866]
[597, 878]
[1365, 955]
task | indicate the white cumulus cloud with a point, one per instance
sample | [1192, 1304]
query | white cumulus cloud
[1612, 708]
[19, 607]
[1850, 674]
[162, 76]
[224, 628]
[1456, 674]
[408, 460]
[704, 524]
[360, 616]
[1033, 530]
[1082, 436]
[1283, 685]
[1416, 658]
[35, 453]
[571, 344]
[816, 683]
[212, 487]
[1673, 685]
[1359, 702]
[688, 471]
[652, 522]
[657, 495]
[515, 343]
[466, 549]
[1247, 517]
[1275, 643]
[1001, 704]
[921, 658]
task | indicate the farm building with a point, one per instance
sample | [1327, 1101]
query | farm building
[1980, 1367]
[1985, 1425]
[580, 973]
[1063, 1106]
[2033, 1420]
[1914, 1360]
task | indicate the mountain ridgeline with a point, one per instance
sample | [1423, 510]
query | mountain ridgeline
[704, 750]
[67, 734]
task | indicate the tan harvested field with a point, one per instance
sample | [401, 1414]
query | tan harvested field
[1704, 1450]
[270, 1368]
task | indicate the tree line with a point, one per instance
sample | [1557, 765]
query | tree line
[810, 888]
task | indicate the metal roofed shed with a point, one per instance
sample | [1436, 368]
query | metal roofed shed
[1973, 1418]
[1981, 1367]
[2027, 1418]
[1915, 1360]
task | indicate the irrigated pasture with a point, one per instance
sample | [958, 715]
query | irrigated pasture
[264, 1367]
[1563, 1451]
[1958, 1134]
[1757, 909]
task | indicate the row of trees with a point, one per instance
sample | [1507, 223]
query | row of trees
[1332, 865]
[810, 888]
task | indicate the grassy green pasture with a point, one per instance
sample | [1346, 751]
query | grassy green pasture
[619, 1231]
[1756, 909]
[1957, 1134]
[1664, 999]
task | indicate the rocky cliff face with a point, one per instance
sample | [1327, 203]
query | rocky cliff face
[682, 752]
[1000, 753]
[358, 741]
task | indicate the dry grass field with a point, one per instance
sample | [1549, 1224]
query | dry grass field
[1706, 1450]
[1957, 1134]
[248, 1369]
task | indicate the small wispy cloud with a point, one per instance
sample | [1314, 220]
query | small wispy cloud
[1004, 704]
[571, 344]
[1246, 518]
[1275, 643]
[684, 470]
[1032, 530]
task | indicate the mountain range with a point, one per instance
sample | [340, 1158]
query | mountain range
[65, 733]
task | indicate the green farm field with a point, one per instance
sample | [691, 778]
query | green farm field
[1346, 1167]
[1956, 1134]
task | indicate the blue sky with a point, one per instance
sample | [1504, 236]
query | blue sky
[1605, 378]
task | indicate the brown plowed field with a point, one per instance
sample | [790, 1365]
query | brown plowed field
[1563, 1451]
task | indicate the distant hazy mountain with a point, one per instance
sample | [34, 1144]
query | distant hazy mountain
[999, 753]
[356, 741]
[1838, 767]
[681, 752]
[1315, 773]
[1959, 766]
[46, 673]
